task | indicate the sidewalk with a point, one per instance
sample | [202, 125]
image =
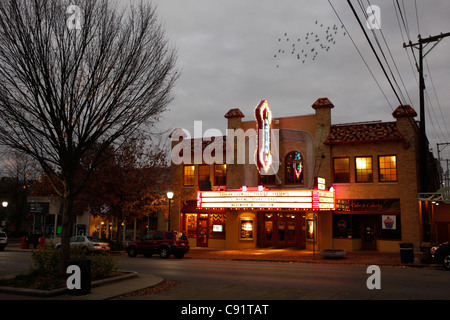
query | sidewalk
[303, 256]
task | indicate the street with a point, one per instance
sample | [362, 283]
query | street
[250, 280]
[201, 279]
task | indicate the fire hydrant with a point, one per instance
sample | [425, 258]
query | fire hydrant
[41, 242]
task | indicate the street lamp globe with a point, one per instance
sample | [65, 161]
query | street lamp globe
[5, 204]
[170, 194]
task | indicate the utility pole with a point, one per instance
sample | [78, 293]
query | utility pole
[420, 45]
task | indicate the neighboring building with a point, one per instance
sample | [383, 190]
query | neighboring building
[369, 199]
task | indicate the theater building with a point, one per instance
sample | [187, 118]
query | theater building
[308, 183]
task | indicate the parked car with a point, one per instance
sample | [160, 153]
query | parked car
[51, 241]
[441, 254]
[3, 240]
[159, 242]
[87, 244]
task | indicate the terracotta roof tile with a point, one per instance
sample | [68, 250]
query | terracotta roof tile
[234, 113]
[322, 103]
[364, 133]
[404, 111]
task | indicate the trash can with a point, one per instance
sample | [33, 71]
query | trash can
[85, 276]
[406, 252]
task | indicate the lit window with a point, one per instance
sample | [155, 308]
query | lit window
[203, 172]
[341, 169]
[387, 168]
[364, 171]
[294, 168]
[188, 175]
[220, 174]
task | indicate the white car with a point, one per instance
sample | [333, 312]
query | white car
[3, 240]
[87, 244]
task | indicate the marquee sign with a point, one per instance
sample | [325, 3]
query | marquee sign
[263, 154]
[267, 199]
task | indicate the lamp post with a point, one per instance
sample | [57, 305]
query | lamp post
[169, 196]
[4, 205]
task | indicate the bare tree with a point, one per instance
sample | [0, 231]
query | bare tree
[78, 73]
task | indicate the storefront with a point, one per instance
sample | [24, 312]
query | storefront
[367, 223]
[255, 217]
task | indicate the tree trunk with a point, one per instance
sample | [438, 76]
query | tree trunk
[66, 233]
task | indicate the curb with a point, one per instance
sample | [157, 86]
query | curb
[51, 293]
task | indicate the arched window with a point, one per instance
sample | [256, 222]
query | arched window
[293, 168]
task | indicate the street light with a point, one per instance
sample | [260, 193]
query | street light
[4, 205]
[169, 196]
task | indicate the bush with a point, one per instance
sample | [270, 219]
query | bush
[44, 272]
[45, 261]
[103, 265]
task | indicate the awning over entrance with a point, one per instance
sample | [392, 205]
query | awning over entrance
[442, 194]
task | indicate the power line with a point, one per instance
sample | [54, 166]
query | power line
[435, 94]
[360, 54]
[374, 51]
[390, 54]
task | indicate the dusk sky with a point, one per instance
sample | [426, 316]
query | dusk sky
[233, 54]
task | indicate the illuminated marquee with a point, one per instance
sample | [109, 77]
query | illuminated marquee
[263, 117]
[268, 199]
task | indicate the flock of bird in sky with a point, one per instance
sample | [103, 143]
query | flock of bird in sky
[309, 47]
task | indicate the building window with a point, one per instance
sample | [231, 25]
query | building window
[188, 175]
[191, 225]
[364, 171]
[220, 175]
[203, 173]
[293, 168]
[204, 181]
[341, 169]
[387, 168]
[266, 180]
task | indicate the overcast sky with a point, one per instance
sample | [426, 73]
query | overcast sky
[233, 54]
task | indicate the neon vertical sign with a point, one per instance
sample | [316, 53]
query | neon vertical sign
[263, 117]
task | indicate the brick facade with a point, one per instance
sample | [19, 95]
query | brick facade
[319, 142]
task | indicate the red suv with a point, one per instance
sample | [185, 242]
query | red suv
[159, 242]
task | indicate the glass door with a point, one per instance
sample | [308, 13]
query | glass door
[202, 232]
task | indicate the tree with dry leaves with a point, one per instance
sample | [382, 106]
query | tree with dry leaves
[78, 74]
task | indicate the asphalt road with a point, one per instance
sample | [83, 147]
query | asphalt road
[216, 279]
[199, 279]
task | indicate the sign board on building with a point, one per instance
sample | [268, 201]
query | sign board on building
[270, 199]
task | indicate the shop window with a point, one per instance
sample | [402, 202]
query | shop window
[387, 168]
[342, 226]
[188, 175]
[390, 227]
[364, 172]
[204, 181]
[217, 225]
[191, 225]
[220, 174]
[341, 170]
[293, 168]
